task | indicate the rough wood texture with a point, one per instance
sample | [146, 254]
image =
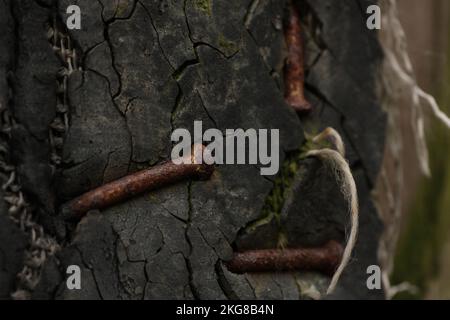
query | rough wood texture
[149, 67]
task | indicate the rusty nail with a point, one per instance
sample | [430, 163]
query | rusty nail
[323, 259]
[137, 183]
[294, 72]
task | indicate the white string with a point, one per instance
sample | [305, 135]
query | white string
[343, 175]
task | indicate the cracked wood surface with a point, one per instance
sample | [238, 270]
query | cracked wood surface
[150, 66]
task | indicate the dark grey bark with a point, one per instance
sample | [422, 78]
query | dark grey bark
[149, 67]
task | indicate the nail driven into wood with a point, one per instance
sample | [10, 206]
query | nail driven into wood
[137, 183]
[323, 259]
[294, 72]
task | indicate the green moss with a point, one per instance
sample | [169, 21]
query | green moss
[122, 8]
[282, 185]
[204, 5]
[276, 198]
[227, 46]
[310, 145]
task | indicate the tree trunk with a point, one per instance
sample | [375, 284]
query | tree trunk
[136, 71]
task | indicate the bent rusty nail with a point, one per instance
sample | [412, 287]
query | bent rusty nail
[323, 259]
[138, 183]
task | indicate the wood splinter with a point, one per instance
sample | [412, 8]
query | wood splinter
[294, 72]
[323, 259]
[138, 183]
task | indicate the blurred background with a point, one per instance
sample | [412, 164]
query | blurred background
[423, 252]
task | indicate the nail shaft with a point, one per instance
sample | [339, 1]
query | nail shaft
[323, 259]
[294, 73]
[135, 184]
